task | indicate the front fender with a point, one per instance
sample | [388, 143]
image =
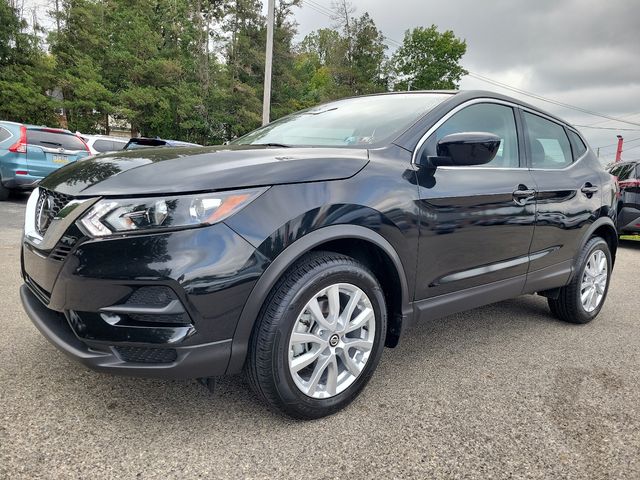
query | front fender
[280, 265]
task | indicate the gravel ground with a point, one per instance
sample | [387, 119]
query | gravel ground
[503, 391]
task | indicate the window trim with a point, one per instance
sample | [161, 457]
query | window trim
[522, 137]
[453, 111]
[564, 127]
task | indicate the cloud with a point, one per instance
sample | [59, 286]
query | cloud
[581, 52]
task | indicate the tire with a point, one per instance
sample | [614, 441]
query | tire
[4, 192]
[274, 354]
[569, 306]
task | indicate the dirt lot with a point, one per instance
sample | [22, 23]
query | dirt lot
[501, 391]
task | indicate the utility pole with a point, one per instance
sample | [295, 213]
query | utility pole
[266, 99]
[619, 150]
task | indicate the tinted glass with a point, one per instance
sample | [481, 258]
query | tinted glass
[363, 121]
[484, 117]
[579, 148]
[103, 145]
[48, 139]
[4, 134]
[549, 143]
[623, 172]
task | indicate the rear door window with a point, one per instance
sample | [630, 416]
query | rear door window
[549, 144]
[49, 139]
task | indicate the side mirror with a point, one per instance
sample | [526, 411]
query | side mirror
[463, 149]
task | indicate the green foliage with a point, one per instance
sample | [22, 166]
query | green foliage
[193, 69]
[25, 72]
[429, 60]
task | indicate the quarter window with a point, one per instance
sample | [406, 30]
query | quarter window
[484, 117]
[579, 148]
[4, 134]
[549, 143]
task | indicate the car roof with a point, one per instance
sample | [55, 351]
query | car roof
[464, 95]
[103, 137]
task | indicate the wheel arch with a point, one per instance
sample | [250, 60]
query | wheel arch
[340, 239]
[605, 228]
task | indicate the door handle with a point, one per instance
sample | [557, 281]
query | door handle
[588, 189]
[522, 194]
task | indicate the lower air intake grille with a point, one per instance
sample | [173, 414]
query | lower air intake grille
[146, 355]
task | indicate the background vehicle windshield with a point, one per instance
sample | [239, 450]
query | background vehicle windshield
[363, 121]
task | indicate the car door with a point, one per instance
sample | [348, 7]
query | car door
[476, 222]
[568, 181]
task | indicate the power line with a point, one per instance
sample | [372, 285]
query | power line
[609, 128]
[605, 121]
[627, 149]
[549, 100]
[331, 14]
[616, 143]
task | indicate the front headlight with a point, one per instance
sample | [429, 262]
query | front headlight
[113, 216]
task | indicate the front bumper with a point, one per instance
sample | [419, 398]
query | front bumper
[22, 182]
[195, 361]
[95, 299]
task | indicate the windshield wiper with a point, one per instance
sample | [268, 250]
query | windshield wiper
[51, 143]
[271, 145]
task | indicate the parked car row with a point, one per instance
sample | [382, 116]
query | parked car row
[628, 175]
[28, 153]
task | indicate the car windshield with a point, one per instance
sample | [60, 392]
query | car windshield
[352, 122]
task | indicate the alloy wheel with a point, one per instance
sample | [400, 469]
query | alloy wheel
[594, 281]
[331, 340]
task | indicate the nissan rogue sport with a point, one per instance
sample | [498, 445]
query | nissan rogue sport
[299, 251]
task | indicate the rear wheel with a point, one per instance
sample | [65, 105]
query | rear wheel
[319, 337]
[582, 299]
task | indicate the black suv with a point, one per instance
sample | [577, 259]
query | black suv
[628, 175]
[297, 252]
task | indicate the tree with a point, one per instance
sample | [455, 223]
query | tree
[429, 60]
[349, 60]
[25, 72]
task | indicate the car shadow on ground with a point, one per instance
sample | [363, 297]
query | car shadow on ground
[140, 401]
[18, 198]
[630, 244]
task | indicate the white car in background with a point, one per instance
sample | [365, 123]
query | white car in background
[103, 143]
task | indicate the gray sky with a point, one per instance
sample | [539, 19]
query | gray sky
[580, 52]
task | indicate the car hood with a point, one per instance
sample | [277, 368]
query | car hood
[197, 169]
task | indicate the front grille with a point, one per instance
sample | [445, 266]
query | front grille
[63, 248]
[60, 252]
[146, 355]
[49, 205]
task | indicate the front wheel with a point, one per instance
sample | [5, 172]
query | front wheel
[319, 337]
[582, 299]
